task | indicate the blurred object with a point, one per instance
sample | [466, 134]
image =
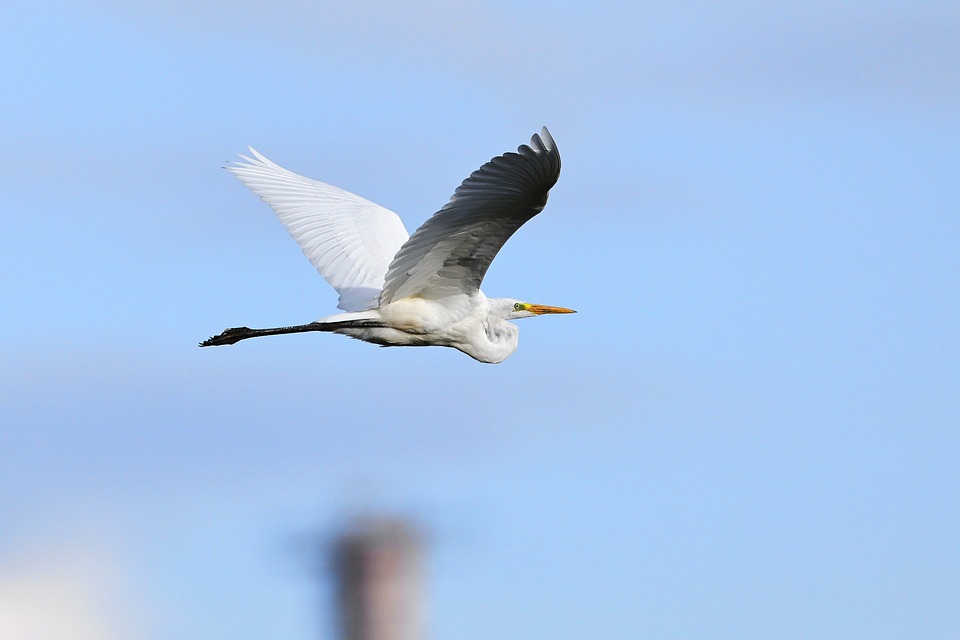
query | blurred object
[60, 594]
[377, 567]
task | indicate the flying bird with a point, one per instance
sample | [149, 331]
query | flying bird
[419, 290]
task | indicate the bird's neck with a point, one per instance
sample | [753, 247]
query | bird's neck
[502, 338]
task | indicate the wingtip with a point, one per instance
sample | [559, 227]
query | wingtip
[255, 159]
[543, 140]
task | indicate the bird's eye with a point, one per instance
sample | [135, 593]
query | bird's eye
[517, 307]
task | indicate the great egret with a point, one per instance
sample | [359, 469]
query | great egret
[418, 290]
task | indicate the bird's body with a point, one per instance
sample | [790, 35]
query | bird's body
[420, 290]
[461, 321]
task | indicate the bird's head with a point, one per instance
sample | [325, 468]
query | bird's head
[515, 309]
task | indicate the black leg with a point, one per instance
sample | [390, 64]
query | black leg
[235, 335]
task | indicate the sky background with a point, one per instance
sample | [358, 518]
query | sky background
[749, 430]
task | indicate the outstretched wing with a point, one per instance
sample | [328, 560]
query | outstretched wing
[451, 252]
[351, 241]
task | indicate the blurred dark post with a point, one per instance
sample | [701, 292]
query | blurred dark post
[378, 573]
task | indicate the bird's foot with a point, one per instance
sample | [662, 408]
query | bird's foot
[230, 336]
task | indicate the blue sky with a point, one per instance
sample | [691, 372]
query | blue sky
[749, 430]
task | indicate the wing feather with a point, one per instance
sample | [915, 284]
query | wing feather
[350, 240]
[451, 252]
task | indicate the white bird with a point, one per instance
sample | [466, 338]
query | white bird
[419, 290]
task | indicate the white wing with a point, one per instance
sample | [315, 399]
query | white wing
[450, 252]
[351, 241]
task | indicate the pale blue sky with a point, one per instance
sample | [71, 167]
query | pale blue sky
[750, 430]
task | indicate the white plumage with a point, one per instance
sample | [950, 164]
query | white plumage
[350, 240]
[424, 289]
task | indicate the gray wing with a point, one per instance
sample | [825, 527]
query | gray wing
[451, 252]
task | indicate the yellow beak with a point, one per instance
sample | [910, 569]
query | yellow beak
[541, 309]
